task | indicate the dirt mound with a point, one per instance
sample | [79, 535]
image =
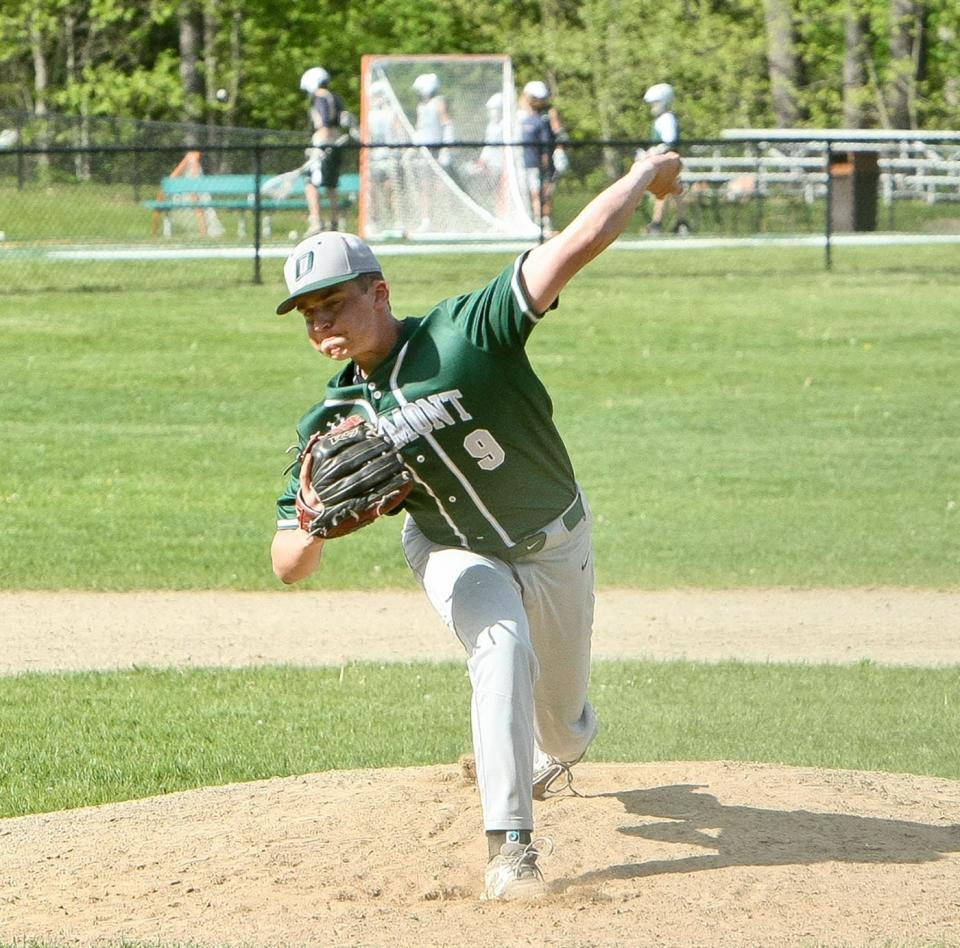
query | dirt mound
[667, 854]
[664, 853]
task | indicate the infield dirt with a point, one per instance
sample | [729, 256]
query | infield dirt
[684, 853]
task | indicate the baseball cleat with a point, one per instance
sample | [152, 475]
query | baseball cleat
[552, 776]
[514, 874]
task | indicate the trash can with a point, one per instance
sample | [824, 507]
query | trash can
[854, 184]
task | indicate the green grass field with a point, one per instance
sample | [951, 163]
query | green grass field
[73, 740]
[739, 418]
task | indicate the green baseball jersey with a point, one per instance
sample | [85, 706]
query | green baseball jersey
[474, 423]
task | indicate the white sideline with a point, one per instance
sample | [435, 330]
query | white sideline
[417, 249]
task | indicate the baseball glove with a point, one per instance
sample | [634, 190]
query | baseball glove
[357, 475]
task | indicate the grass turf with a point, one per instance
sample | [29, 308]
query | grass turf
[82, 739]
[737, 418]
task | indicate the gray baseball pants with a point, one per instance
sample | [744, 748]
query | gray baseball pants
[526, 626]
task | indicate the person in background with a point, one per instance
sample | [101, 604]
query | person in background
[666, 135]
[487, 172]
[384, 129]
[326, 114]
[434, 132]
[434, 127]
[491, 155]
[544, 155]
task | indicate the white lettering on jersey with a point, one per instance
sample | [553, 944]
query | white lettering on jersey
[396, 428]
[432, 407]
[453, 397]
[416, 418]
[422, 416]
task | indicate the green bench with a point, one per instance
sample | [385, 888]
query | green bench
[236, 192]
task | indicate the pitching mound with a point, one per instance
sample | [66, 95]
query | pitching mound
[678, 853]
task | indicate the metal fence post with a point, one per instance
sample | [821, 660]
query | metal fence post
[257, 172]
[760, 191]
[828, 259]
[20, 159]
[541, 154]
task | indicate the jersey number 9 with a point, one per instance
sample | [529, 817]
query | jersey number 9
[482, 445]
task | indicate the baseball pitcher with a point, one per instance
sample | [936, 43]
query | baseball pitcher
[442, 416]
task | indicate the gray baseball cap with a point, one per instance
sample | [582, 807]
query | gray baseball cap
[324, 260]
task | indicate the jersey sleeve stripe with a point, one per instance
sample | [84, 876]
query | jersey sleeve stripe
[520, 292]
[288, 524]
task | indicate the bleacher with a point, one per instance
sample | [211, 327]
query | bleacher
[912, 165]
[739, 177]
[239, 193]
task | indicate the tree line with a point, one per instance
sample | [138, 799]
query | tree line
[733, 63]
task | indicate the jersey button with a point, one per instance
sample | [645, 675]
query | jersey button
[452, 499]
[421, 458]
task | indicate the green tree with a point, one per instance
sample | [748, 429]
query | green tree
[859, 61]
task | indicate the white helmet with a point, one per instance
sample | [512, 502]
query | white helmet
[313, 79]
[495, 102]
[659, 97]
[536, 90]
[426, 84]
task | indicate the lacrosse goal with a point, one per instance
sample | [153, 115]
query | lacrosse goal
[441, 159]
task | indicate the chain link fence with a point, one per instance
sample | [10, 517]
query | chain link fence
[77, 214]
[93, 131]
